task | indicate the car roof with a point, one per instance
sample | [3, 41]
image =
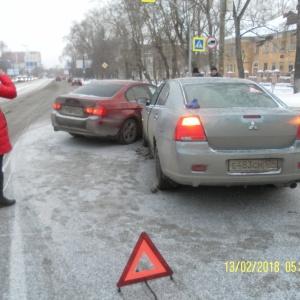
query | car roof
[188, 80]
[118, 81]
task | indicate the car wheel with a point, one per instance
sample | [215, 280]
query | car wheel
[162, 183]
[128, 132]
[76, 135]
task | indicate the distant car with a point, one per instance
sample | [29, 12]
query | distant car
[103, 108]
[58, 78]
[77, 81]
[70, 79]
[20, 78]
[221, 131]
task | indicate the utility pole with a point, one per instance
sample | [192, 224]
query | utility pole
[190, 47]
[222, 36]
[83, 67]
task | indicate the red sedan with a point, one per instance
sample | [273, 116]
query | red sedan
[103, 108]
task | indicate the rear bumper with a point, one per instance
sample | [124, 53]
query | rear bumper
[89, 126]
[177, 159]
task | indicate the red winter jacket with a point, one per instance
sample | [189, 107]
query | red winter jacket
[7, 90]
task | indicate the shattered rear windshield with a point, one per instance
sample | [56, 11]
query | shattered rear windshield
[224, 95]
[99, 90]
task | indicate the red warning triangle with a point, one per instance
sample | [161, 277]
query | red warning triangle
[144, 246]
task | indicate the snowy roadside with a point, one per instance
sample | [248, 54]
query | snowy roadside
[290, 99]
[286, 94]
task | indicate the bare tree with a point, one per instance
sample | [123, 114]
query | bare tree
[88, 40]
[208, 21]
[238, 12]
[162, 30]
[247, 15]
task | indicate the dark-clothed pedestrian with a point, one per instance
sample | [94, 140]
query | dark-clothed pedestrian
[8, 91]
[196, 73]
[214, 72]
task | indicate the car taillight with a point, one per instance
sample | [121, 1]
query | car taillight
[298, 131]
[98, 111]
[296, 122]
[57, 106]
[189, 128]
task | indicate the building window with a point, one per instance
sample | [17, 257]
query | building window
[273, 67]
[274, 48]
[255, 64]
[230, 68]
[282, 46]
[281, 66]
[265, 66]
[257, 49]
[266, 47]
[291, 66]
[292, 44]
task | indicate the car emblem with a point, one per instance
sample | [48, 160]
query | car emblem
[253, 126]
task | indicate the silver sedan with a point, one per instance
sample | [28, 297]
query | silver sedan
[221, 131]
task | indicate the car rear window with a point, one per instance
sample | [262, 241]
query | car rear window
[224, 95]
[99, 90]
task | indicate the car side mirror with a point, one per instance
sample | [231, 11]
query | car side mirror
[143, 101]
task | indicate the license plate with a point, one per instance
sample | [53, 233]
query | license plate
[73, 110]
[253, 165]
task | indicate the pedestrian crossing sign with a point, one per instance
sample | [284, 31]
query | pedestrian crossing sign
[199, 44]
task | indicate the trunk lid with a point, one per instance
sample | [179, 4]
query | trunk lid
[241, 129]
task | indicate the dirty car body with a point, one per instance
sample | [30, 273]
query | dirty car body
[103, 108]
[221, 131]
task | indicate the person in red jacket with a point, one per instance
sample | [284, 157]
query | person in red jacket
[7, 90]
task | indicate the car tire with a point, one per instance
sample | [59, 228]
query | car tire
[128, 132]
[162, 183]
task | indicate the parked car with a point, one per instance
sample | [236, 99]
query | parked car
[77, 81]
[103, 108]
[221, 131]
[58, 78]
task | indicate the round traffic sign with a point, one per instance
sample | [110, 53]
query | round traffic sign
[211, 42]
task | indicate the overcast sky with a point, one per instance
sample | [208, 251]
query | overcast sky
[39, 25]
